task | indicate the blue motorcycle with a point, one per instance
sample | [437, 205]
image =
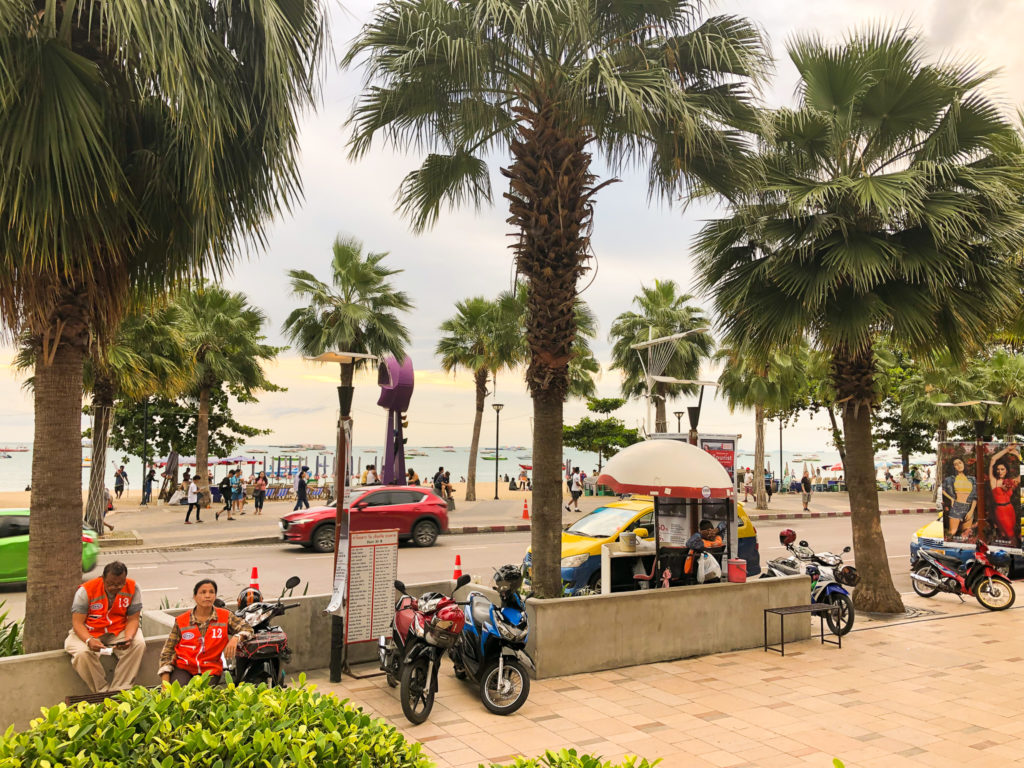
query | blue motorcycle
[491, 650]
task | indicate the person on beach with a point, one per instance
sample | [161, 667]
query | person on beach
[438, 482]
[120, 481]
[411, 477]
[147, 486]
[105, 616]
[448, 492]
[301, 502]
[259, 493]
[201, 639]
[371, 476]
[805, 489]
[193, 502]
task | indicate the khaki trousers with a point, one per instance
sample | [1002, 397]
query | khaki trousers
[89, 667]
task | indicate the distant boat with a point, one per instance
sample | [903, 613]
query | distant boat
[6, 456]
[449, 450]
[524, 457]
[13, 450]
[494, 458]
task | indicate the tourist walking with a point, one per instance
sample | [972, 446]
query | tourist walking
[225, 495]
[237, 491]
[805, 489]
[120, 481]
[748, 483]
[259, 493]
[147, 486]
[193, 502]
[301, 502]
[576, 489]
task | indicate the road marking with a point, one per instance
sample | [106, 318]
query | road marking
[159, 589]
[144, 567]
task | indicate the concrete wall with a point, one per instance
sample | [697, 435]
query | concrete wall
[627, 628]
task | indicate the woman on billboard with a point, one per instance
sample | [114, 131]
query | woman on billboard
[960, 496]
[1007, 525]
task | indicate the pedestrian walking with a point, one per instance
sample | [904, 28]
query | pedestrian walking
[576, 489]
[259, 493]
[805, 489]
[193, 501]
[225, 495]
[120, 481]
[237, 491]
[748, 483]
[147, 486]
[301, 501]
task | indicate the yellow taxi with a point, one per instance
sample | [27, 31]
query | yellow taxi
[582, 541]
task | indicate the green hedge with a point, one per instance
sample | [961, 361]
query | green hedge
[567, 758]
[236, 726]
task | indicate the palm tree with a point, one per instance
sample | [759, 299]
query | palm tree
[765, 385]
[139, 144]
[358, 311]
[547, 81]
[223, 340]
[661, 311]
[476, 338]
[890, 207]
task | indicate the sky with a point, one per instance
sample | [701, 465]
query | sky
[635, 241]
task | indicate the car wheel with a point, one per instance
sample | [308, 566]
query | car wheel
[425, 533]
[323, 538]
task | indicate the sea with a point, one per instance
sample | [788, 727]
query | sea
[16, 471]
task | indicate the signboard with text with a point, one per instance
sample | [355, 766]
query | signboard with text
[341, 556]
[373, 568]
[723, 448]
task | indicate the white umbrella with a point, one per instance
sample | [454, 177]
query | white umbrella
[667, 468]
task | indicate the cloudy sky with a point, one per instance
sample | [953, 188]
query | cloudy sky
[467, 253]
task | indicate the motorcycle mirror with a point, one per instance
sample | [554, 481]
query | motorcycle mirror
[846, 549]
[400, 586]
[462, 581]
[293, 582]
[803, 543]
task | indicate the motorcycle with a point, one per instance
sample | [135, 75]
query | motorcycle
[980, 576]
[421, 631]
[828, 578]
[491, 651]
[260, 658]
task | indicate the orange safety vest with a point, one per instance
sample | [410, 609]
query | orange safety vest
[199, 652]
[102, 618]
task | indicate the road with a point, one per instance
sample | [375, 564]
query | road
[166, 578]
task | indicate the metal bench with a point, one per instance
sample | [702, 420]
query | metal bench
[814, 608]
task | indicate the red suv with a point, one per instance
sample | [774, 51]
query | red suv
[417, 513]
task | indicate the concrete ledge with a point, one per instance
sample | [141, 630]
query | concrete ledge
[846, 513]
[586, 634]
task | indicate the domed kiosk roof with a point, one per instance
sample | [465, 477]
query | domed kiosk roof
[667, 468]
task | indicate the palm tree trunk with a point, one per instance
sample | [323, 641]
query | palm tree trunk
[837, 435]
[660, 408]
[546, 527]
[853, 376]
[55, 525]
[102, 408]
[760, 494]
[480, 377]
[203, 446]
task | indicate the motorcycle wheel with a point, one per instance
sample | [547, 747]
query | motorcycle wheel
[417, 698]
[505, 696]
[844, 623]
[995, 594]
[930, 571]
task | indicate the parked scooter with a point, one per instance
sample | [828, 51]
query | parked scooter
[421, 631]
[980, 576]
[491, 651]
[828, 577]
[260, 658]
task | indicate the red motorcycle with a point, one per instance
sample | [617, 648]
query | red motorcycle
[979, 577]
[421, 631]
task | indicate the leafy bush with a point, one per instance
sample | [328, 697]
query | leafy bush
[567, 758]
[233, 726]
[11, 634]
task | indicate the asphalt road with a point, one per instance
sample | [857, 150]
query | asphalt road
[167, 578]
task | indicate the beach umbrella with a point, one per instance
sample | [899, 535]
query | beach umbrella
[837, 467]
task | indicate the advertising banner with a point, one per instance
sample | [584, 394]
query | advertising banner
[723, 448]
[998, 496]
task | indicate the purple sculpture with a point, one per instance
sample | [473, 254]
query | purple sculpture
[395, 380]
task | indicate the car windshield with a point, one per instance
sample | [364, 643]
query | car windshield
[602, 522]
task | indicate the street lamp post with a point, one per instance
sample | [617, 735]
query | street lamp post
[679, 420]
[497, 455]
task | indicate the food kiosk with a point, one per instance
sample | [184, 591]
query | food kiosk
[688, 485]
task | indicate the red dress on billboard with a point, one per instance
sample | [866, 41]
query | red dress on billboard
[1006, 517]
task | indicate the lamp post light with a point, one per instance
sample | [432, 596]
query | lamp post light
[497, 420]
[679, 420]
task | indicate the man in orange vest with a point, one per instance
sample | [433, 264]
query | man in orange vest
[105, 620]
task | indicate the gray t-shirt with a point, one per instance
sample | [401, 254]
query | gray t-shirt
[81, 602]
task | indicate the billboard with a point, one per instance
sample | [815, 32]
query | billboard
[995, 501]
[723, 448]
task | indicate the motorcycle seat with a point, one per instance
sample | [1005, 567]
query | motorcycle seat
[948, 559]
[480, 611]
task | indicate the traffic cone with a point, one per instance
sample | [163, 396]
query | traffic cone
[254, 579]
[526, 510]
[458, 568]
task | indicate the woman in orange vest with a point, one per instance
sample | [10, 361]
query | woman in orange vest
[201, 639]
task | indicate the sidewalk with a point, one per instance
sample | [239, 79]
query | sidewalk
[162, 526]
[932, 690]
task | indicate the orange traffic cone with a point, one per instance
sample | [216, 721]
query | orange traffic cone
[254, 582]
[458, 567]
[526, 510]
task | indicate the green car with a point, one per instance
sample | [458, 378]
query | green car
[14, 546]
